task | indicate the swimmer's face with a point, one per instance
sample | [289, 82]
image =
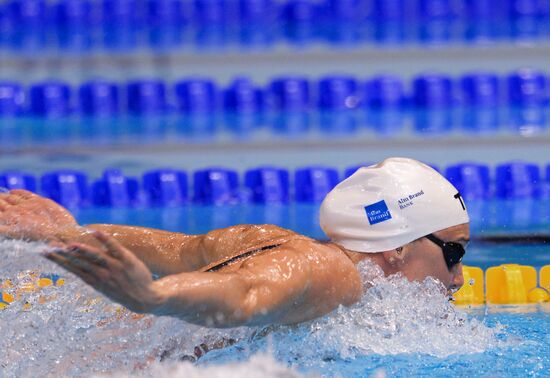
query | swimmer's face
[424, 258]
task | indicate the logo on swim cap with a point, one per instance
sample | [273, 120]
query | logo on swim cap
[377, 212]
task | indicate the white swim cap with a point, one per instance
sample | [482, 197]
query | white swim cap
[387, 205]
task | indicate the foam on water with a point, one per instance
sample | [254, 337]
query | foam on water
[71, 330]
[259, 366]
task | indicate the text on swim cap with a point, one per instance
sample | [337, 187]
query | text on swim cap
[377, 212]
[408, 201]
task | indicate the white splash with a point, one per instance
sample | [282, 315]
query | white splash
[259, 366]
[72, 331]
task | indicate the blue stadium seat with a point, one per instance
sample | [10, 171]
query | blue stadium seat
[290, 94]
[210, 12]
[99, 98]
[119, 13]
[74, 21]
[346, 10]
[527, 87]
[525, 8]
[17, 180]
[389, 10]
[257, 12]
[433, 98]
[74, 13]
[114, 189]
[517, 180]
[311, 184]
[216, 186]
[242, 96]
[432, 90]
[12, 99]
[301, 12]
[166, 187]
[27, 14]
[163, 13]
[471, 179]
[480, 89]
[385, 91]
[268, 185]
[146, 97]
[480, 97]
[50, 99]
[67, 187]
[196, 96]
[338, 93]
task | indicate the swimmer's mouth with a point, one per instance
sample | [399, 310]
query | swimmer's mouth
[451, 293]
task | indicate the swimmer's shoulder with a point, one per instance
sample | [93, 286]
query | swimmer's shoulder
[246, 234]
[230, 241]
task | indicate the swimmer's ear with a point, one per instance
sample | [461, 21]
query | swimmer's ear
[396, 257]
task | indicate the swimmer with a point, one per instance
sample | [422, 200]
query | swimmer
[400, 214]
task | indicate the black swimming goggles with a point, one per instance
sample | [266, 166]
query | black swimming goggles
[452, 252]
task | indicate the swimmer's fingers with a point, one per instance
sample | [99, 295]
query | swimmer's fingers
[90, 255]
[113, 247]
[62, 261]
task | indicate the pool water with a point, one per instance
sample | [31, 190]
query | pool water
[398, 328]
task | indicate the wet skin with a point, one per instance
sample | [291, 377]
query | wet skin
[299, 280]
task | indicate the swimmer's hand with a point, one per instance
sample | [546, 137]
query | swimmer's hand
[112, 270]
[25, 215]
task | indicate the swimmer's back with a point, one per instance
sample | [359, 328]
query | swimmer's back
[221, 245]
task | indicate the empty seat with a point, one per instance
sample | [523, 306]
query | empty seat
[311, 184]
[471, 179]
[12, 99]
[66, 187]
[432, 90]
[385, 91]
[50, 99]
[17, 180]
[216, 186]
[517, 180]
[338, 93]
[165, 187]
[242, 96]
[114, 189]
[290, 94]
[146, 97]
[527, 87]
[268, 185]
[99, 98]
[196, 95]
[480, 89]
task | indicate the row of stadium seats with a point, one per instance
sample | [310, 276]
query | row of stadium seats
[77, 23]
[220, 186]
[525, 87]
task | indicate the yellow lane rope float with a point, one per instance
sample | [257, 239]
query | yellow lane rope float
[504, 284]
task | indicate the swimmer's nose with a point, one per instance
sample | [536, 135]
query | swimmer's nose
[458, 278]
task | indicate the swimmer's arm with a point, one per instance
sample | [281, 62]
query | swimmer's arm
[294, 283]
[227, 299]
[28, 216]
[285, 288]
[163, 252]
